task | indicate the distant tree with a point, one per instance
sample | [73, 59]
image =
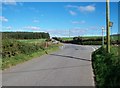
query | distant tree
[25, 35]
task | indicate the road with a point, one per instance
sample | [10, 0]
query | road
[70, 66]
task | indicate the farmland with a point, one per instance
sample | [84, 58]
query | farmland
[35, 41]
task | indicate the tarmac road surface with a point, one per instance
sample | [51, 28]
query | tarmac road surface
[70, 66]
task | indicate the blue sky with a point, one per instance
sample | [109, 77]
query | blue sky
[58, 18]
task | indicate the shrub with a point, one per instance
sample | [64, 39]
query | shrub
[11, 47]
[106, 68]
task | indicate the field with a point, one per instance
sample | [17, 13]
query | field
[115, 37]
[67, 38]
[32, 40]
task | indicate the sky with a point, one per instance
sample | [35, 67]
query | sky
[60, 19]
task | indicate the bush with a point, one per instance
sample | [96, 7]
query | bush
[106, 68]
[11, 47]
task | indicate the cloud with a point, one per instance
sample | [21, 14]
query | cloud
[3, 19]
[72, 12]
[36, 21]
[78, 22]
[12, 2]
[65, 32]
[9, 2]
[88, 8]
[33, 9]
[57, 32]
[32, 28]
[8, 28]
[94, 28]
[71, 6]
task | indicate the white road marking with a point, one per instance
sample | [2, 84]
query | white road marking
[93, 48]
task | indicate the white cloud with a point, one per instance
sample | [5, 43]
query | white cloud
[58, 33]
[9, 27]
[32, 28]
[12, 2]
[36, 21]
[88, 8]
[3, 19]
[71, 6]
[72, 12]
[77, 32]
[94, 28]
[9, 2]
[78, 22]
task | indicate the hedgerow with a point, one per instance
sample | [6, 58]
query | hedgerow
[106, 68]
[11, 47]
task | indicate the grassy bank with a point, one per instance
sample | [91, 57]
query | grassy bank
[8, 62]
[15, 52]
[106, 67]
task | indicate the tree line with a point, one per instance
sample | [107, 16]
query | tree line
[25, 35]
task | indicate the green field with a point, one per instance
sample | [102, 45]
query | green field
[114, 38]
[67, 38]
[32, 40]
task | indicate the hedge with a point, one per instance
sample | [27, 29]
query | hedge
[106, 69]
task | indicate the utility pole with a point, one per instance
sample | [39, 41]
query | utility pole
[103, 36]
[69, 33]
[108, 25]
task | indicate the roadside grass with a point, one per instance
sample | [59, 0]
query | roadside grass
[12, 61]
[0, 62]
[106, 67]
[115, 50]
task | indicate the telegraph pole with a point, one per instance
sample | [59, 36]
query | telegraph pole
[108, 25]
[69, 33]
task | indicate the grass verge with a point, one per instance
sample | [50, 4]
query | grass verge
[106, 68]
[12, 61]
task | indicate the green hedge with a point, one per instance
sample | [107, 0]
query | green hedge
[25, 35]
[11, 47]
[106, 69]
[15, 52]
